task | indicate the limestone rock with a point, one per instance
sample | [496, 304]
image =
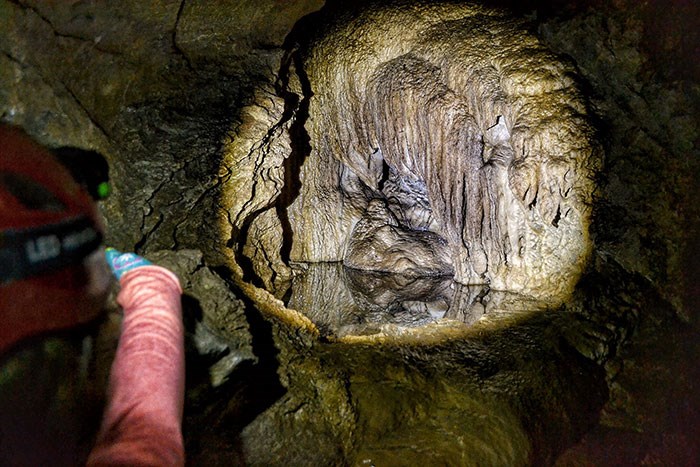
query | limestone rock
[215, 318]
[379, 243]
[475, 135]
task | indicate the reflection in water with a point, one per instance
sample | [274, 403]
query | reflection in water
[343, 301]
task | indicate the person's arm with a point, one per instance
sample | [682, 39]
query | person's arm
[142, 421]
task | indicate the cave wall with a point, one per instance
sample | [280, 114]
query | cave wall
[644, 85]
[475, 137]
[171, 97]
[154, 87]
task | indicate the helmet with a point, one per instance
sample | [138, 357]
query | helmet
[50, 237]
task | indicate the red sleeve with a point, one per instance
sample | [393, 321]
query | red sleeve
[142, 421]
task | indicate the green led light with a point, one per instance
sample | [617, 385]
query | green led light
[103, 190]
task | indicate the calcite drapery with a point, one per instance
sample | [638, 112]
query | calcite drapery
[454, 119]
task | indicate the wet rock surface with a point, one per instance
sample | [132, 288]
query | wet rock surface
[379, 243]
[221, 334]
[475, 136]
[185, 99]
[344, 302]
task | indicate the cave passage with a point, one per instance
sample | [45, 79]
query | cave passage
[463, 151]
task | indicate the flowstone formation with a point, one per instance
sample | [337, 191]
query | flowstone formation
[423, 139]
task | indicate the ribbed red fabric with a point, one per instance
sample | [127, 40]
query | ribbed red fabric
[143, 417]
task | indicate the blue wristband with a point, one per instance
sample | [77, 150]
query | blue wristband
[121, 263]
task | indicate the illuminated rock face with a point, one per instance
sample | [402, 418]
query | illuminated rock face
[450, 122]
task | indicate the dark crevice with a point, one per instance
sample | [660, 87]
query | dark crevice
[301, 148]
[15, 60]
[138, 247]
[176, 47]
[89, 114]
[251, 388]
[533, 203]
[296, 110]
[557, 217]
[246, 264]
[385, 175]
[264, 143]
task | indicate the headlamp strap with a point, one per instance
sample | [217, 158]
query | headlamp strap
[29, 252]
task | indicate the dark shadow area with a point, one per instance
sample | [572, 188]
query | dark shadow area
[672, 40]
[296, 110]
[88, 168]
[300, 144]
[241, 235]
[214, 416]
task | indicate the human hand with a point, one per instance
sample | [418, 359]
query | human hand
[121, 263]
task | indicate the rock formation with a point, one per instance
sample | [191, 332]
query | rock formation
[460, 125]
